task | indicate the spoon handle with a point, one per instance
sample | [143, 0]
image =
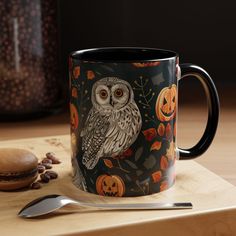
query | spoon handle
[140, 206]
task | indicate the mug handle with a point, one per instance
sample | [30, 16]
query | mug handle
[213, 111]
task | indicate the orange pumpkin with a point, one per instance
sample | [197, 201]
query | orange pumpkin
[166, 103]
[110, 185]
[74, 117]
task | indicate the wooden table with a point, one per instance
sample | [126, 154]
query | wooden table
[214, 199]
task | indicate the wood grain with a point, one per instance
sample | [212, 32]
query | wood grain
[214, 201]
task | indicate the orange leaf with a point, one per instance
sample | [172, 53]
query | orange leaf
[156, 176]
[161, 129]
[164, 186]
[150, 134]
[74, 93]
[90, 75]
[155, 146]
[170, 152]
[108, 163]
[168, 131]
[76, 72]
[164, 163]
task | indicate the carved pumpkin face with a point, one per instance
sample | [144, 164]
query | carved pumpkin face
[110, 185]
[166, 103]
[74, 117]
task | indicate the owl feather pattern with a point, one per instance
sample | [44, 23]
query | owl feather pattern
[113, 122]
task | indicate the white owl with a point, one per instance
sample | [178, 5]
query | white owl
[113, 123]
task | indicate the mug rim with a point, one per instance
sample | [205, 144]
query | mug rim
[123, 54]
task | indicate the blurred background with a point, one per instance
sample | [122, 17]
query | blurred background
[202, 32]
[37, 37]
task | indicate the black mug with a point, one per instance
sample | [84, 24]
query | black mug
[123, 119]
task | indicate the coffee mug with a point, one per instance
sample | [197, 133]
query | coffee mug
[123, 110]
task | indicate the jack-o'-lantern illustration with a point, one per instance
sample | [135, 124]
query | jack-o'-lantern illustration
[166, 103]
[110, 185]
[74, 117]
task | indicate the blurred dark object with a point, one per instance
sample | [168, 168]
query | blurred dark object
[30, 83]
[201, 32]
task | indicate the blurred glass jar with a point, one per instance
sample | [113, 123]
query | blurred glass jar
[29, 58]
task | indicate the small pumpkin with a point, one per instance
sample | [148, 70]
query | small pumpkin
[166, 103]
[74, 117]
[110, 185]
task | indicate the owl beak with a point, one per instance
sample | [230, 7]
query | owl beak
[111, 101]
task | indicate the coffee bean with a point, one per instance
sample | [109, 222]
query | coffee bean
[52, 156]
[56, 161]
[45, 178]
[41, 168]
[52, 174]
[46, 160]
[47, 165]
[35, 185]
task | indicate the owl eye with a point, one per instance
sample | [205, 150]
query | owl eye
[103, 94]
[118, 93]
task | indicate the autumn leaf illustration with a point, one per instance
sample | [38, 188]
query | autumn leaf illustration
[76, 72]
[155, 146]
[128, 152]
[74, 93]
[161, 129]
[168, 131]
[90, 75]
[170, 152]
[164, 185]
[150, 134]
[164, 163]
[156, 176]
[108, 163]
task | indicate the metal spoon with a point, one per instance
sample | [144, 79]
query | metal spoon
[49, 203]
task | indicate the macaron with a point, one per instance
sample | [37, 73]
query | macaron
[18, 168]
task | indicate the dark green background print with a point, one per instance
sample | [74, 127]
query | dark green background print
[144, 163]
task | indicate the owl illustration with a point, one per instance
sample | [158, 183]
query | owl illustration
[113, 123]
